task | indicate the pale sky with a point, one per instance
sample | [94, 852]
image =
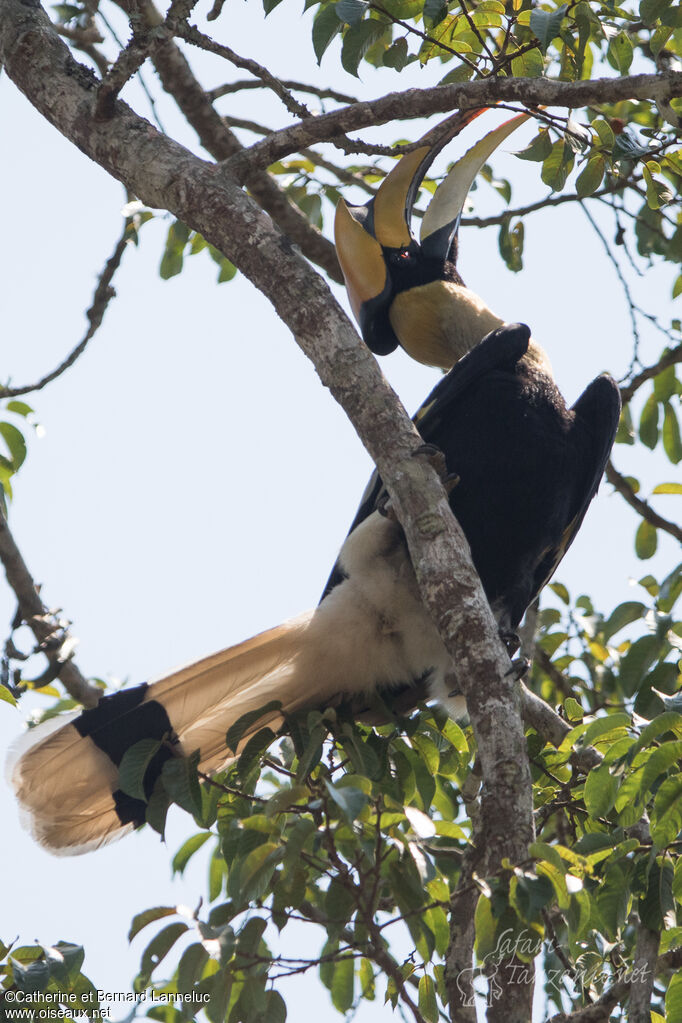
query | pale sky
[195, 480]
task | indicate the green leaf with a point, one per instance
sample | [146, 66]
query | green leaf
[545, 25]
[604, 132]
[590, 178]
[325, 26]
[657, 192]
[236, 731]
[342, 983]
[275, 1009]
[32, 978]
[646, 540]
[626, 147]
[626, 613]
[397, 55]
[435, 11]
[187, 850]
[133, 767]
[253, 875]
[677, 287]
[651, 10]
[511, 244]
[667, 812]
[658, 763]
[637, 661]
[147, 917]
[558, 165]
[179, 777]
[672, 444]
[357, 41]
[673, 999]
[158, 948]
[190, 967]
[657, 908]
[648, 423]
[351, 11]
[601, 789]
[351, 801]
[254, 750]
[269, 5]
[668, 488]
[6, 696]
[428, 1006]
[19, 407]
[528, 65]
[619, 53]
[172, 259]
[14, 439]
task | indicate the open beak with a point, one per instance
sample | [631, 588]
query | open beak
[370, 237]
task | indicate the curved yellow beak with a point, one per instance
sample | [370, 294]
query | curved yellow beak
[374, 242]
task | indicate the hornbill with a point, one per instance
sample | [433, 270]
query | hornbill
[528, 468]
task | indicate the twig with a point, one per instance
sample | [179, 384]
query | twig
[191, 34]
[103, 295]
[641, 507]
[231, 87]
[129, 61]
[670, 358]
[82, 36]
[624, 284]
[534, 207]
[42, 622]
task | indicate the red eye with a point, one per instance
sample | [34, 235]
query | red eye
[404, 254]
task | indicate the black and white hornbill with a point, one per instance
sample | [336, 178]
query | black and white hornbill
[528, 468]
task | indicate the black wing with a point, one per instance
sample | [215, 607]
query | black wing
[500, 348]
[597, 412]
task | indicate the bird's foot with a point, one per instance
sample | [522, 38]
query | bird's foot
[384, 506]
[436, 459]
[511, 641]
[520, 666]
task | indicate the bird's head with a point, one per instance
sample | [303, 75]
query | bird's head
[408, 292]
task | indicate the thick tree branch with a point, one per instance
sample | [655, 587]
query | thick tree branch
[179, 82]
[526, 92]
[103, 295]
[165, 175]
[643, 975]
[48, 631]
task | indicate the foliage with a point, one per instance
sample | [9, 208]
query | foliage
[364, 832]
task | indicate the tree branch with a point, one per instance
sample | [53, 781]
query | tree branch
[179, 82]
[164, 174]
[642, 507]
[231, 87]
[412, 103]
[671, 358]
[95, 314]
[643, 975]
[53, 639]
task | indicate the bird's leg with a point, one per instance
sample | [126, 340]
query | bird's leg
[436, 460]
[520, 666]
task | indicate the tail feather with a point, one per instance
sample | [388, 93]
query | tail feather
[371, 630]
[66, 775]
